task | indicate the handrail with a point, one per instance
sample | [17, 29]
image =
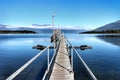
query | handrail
[87, 68]
[83, 62]
[12, 76]
[70, 51]
[46, 72]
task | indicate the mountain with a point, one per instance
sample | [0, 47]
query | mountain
[72, 30]
[50, 30]
[37, 30]
[2, 26]
[111, 26]
[7, 27]
[45, 28]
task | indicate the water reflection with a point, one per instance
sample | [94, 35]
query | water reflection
[103, 59]
[16, 49]
[113, 39]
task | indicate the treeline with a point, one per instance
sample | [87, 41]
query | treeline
[16, 32]
[110, 31]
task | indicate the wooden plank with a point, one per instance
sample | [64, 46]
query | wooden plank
[62, 68]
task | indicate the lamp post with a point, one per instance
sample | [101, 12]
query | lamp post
[53, 32]
[53, 22]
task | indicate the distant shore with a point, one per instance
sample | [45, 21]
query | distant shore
[102, 32]
[17, 32]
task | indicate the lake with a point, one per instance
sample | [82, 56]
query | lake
[103, 59]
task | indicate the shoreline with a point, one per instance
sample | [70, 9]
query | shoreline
[17, 32]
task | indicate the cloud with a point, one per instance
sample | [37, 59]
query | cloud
[45, 26]
[71, 27]
[40, 26]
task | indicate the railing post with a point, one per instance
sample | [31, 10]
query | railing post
[48, 59]
[72, 57]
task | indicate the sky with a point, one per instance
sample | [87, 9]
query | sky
[88, 14]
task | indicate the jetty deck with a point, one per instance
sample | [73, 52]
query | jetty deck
[62, 67]
[61, 61]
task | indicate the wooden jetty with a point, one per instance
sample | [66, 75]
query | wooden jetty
[62, 67]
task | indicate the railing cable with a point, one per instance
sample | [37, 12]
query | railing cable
[87, 68]
[12, 76]
[83, 62]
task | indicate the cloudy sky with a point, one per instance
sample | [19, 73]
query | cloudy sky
[78, 13]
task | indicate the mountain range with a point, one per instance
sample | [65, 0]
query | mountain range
[111, 26]
[45, 28]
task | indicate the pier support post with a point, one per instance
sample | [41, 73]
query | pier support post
[48, 59]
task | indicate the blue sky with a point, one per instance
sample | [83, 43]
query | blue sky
[78, 13]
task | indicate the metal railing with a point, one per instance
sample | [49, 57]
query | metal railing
[87, 68]
[49, 62]
[80, 58]
[12, 76]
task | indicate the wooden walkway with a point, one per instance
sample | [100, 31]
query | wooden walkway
[62, 68]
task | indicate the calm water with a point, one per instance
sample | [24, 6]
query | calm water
[103, 59]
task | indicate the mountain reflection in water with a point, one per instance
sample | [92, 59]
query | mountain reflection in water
[113, 39]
